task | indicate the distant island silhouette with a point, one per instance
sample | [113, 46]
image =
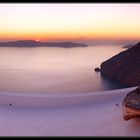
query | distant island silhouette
[32, 43]
[128, 46]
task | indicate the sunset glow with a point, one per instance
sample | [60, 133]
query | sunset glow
[37, 40]
[69, 21]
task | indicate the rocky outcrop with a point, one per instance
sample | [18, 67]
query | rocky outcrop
[97, 69]
[124, 67]
[131, 104]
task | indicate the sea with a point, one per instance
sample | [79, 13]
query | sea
[55, 69]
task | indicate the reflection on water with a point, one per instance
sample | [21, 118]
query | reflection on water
[54, 70]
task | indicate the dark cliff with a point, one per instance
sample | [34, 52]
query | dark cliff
[124, 67]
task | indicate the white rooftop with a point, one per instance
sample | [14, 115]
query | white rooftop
[80, 114]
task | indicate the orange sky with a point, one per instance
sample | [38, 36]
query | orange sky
[69, 21]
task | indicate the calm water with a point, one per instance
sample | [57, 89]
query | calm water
[55, 70]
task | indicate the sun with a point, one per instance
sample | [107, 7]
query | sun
[37, 40]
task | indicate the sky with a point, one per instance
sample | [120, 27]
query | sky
[46, 21]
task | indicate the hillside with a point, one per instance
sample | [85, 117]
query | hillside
[124, 67]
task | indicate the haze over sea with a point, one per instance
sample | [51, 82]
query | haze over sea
[55, 69]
